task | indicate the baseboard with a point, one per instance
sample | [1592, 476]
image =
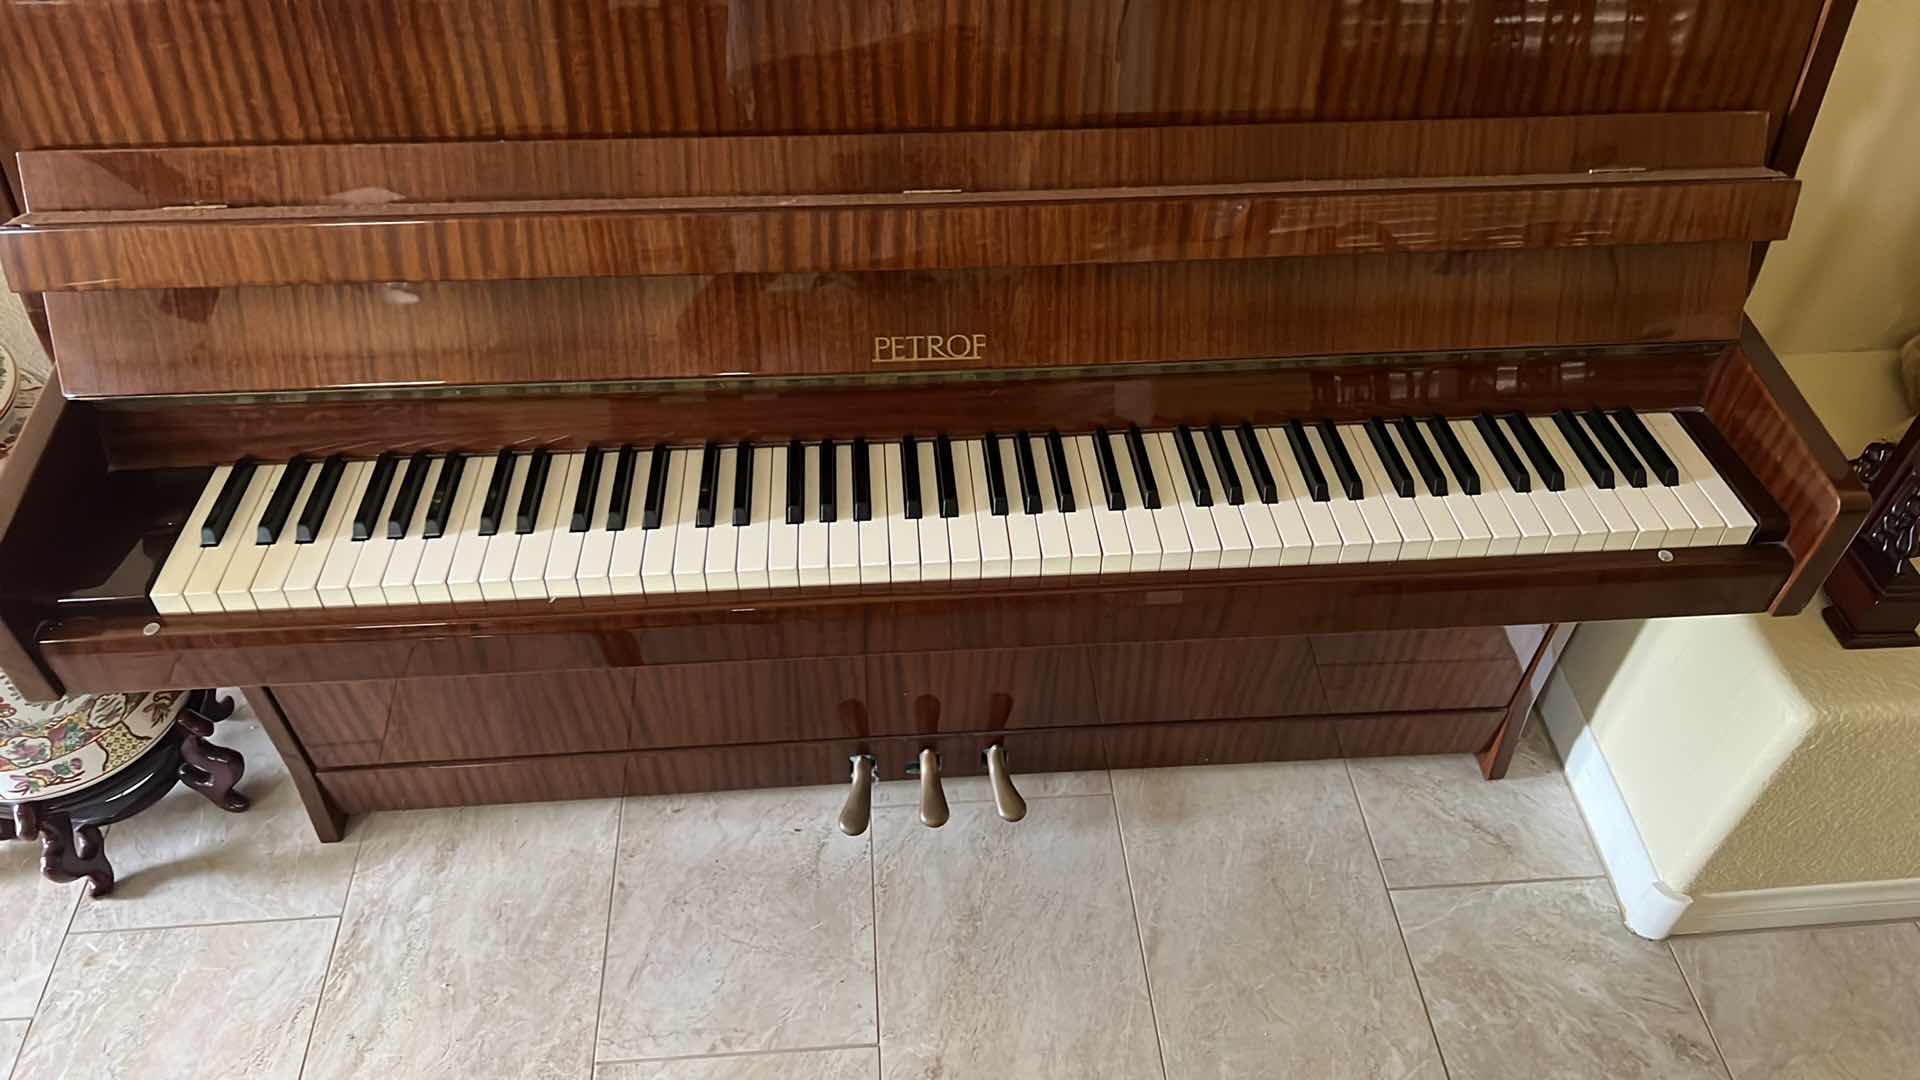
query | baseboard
[1802, 905]
[1651, 908]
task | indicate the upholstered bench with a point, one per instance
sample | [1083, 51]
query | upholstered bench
[71, 766]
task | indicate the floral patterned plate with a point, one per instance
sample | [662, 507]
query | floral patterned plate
[55, 748]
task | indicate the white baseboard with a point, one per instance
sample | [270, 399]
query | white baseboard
[1802, 905]
[1650, 907]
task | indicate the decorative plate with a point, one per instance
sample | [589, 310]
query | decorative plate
[49, 749]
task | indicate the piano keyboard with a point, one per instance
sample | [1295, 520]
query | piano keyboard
[466, 528]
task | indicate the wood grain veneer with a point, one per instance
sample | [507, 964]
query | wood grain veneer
[329, 821]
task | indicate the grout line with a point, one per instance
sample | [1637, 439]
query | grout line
[333, 950]
[606, 938]
[1699, 1008]
[1139, 934]
[199, 925]
[1419, 988]
[740, 1054]
[873, 898]
[66, 935]
[1486, 884]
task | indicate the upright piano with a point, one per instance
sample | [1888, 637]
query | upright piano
[569, 398]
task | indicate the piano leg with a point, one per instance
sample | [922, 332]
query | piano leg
[1498, 754]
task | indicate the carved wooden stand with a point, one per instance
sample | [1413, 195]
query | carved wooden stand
[1874, 589]
[71, 844]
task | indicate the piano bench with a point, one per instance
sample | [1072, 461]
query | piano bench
[70, 767]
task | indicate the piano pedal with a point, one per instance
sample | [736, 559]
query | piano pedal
[857, 812]
[1006, 798]
[933, 797]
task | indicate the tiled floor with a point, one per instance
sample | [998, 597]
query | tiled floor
[1375, 919]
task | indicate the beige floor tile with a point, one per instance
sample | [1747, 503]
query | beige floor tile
[471, 945]
[37, 913]
[741, 921]
[1009, 950]
[1831, 1002]
[1270, 941]
[11, 1034]
[961, 789]
[1542, 982]
[853, 1064]
[208, 1002]
[1436, 821]
[185, 861]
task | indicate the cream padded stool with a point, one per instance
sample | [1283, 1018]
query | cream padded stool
[69, 767]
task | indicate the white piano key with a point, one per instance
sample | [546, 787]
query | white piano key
[560, 577]
[432, 583]
[370, 564]
[657, 556]
[875, 547]
[1023, 532]
[1594, 530]
[1695, 467]
[1477, 535]
[343, 551]
[496, 567]
[1562, 532]
[1056, 552]
[783, 537]
[1323, 536]
[235, 591]
[812, 564]
[1623, 530]
[310, 560]
[1229, 525]
[935, 562]
[1651, 525]
[1372, 503]
[843, 533]
[1447, 540]
[169, 586]
[1263, 532]
[903, 534]
[1083, 536]
[627, 546]
[1710, 527]
[963, 529]
[1356, 539]
[1500, 504]
[396, 585]
[1203, 540]
[529, 576]
[689, 539]
[1678, 525]
[1110, 527]
[723, 538]
[1296, 541]
[750, 567]
[203, 586]
[470, 548]
[1143, 536]
[1415, 541]
[996, 553]
[269, 581]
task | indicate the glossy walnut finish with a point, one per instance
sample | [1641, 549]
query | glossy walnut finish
[1875, 588]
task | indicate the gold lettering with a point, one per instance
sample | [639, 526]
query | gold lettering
[916, 348]
[882, 350]
[935, 351]
[979, 346]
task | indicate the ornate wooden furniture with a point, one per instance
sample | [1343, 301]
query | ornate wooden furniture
[1875, 587]
[577, 224]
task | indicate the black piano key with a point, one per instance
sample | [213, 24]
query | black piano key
[1257, 462]
[862, 481]
[379, 482]
[1029, 472]
[582, 517]
[829, 503]
[1616, 447]
[1389, 455]
[910, 476]
[1109, 471]
[1536, 451]
[1223, 466]
[1503, 454]
[220, 514]
[1424, 461]
[943, 477]
[1143, 468]
[307, 529]
[1190, 464]
[743, 484]
[411, 485]
[1343, 468]
[280, 503]
[494, 505]
[796, 482]
[621, 495]
[527, 515]
[1063, 494]
[441, 504]
[1650, 449]
[1308, 461]
[1457, 458]
[1583, 448]
[654, 509]
[996, 476]
[703, 511]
